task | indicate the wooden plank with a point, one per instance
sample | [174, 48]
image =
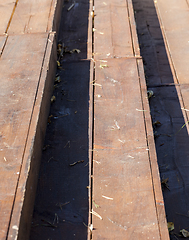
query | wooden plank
[6, 12]
[76, 31]
[152, 157]
[112, 36]
[136, 48]
[174, 18]
[54, 16]
[25, 193]
[20, 65]
[90, 35]
[30, 17]
[123, 186]
[90, 136]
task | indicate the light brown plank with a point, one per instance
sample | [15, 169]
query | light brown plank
[31, 16]
[90, 26]
[174, 18]
[20, 65]
[152, 157]
[112, 36]
[136, 48]
[90, 134]
[6, 11]
[121, 161]
[25, 193]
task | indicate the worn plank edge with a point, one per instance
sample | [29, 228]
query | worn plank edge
[132, 23]
[90, 134]
[22, 209]
[172, 66]
[158, 197]
[54, 16]
[25, 194]
[90, 32]
[159, 202]
[13, 11]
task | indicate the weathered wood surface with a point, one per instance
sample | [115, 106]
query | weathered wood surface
[28, 64]
[126, 182]
[135, 43]
[122, 182]
[6, 11]
[112, 35]
[20, 64]
[122, 171]
[30, 17]
[160, 208]
[25, 195]
[174, 18]
[54, 15]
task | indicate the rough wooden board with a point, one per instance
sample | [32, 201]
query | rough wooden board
[174, 19]
[121, 161]
[112, 36]
[90, 37]
[152, 156]
[6, 11]
[20, 65]
[25, 194]
[30, 17]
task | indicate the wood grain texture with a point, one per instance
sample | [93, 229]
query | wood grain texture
[174, 18]
[30, 17]
[112, 36]
[28, 64]
[121, 162]
[160, 208]
[20, 65]
[25, 194]
[125, 178]
[90, 27]
[6, 12]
